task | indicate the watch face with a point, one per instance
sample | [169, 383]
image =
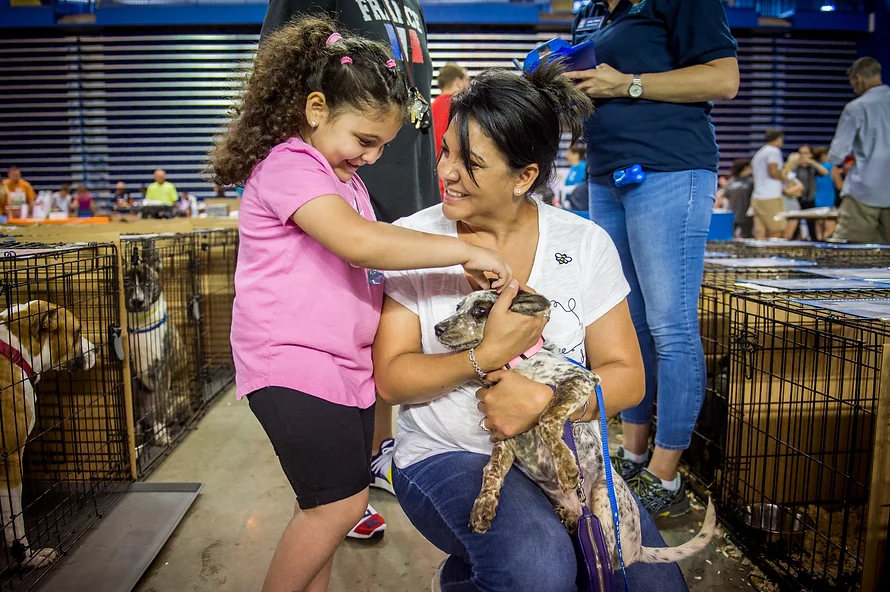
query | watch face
[636, 90]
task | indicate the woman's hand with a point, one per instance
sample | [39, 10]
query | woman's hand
[483, 260]
[794, 189]
[512, 404]
[603, 82]
[507, 333]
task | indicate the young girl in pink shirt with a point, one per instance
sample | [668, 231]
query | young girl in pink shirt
[316, 108]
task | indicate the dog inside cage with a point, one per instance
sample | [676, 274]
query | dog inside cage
[158, 287]
[61, 403]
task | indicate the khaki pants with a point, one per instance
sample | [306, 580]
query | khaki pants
[765, 211]
[859, 223]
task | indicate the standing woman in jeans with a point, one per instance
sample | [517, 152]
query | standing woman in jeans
[661, 62]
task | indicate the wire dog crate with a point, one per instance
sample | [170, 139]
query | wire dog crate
[64, 430]
[827, 254]
[217, 254]
[704, 455]
[160, 295]
[806, 377]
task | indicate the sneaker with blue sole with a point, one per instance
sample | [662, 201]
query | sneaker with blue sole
[381, 467]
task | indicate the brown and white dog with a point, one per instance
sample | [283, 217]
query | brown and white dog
[34, 337]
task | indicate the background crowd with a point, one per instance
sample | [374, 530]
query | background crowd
[767, 192]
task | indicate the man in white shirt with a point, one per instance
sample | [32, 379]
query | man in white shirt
[769, 181]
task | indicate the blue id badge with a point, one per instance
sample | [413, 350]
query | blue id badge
[375, 277]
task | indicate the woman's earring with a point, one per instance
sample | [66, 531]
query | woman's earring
[314, 124]
[518, 191]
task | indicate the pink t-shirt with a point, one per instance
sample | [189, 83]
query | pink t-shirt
[303, 318]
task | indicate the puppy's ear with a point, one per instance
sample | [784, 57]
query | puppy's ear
[150, 255]
[44, 319]
[528, 304]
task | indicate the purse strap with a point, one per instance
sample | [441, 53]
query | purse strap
[569, 437]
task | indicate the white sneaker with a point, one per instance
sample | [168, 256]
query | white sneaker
[381, 467]
[370, 526]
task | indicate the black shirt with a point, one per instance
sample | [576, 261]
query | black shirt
[739, 191]
[653, 36]
[404, 180]
[807, 175]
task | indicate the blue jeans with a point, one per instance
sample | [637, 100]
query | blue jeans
[660, 228]
[527, 548]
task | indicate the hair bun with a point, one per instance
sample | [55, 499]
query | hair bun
[571, 105]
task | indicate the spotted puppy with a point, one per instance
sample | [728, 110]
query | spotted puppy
[541, 451]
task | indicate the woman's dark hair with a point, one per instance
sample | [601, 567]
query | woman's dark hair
[738, 165]
[819, 152]
[524, 115]
[291, 64]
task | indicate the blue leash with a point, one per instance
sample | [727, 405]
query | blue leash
[610, 484]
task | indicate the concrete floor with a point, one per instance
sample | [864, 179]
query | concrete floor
[226, 540]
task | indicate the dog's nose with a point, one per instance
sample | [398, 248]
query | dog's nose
[137, 302]
[440, 328]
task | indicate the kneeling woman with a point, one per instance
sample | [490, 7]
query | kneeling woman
[499, 149]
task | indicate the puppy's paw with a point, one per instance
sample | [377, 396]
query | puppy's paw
[567, 517]
[41, 558]
[484, 510]
[567, 474]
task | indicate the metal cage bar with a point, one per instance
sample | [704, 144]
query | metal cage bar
[802, 401]
[64, 435]
[217, 255]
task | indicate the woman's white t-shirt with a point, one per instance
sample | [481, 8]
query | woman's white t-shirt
[576, 266]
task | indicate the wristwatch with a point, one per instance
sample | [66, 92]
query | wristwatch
[636, 87]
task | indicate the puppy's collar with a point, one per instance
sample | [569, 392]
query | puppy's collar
[150, 328]
[16, 357]
[524, 356]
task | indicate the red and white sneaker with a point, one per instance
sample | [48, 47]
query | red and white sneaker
[370, 526]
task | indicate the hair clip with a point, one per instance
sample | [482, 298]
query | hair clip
[346, 60]
[391, 64]
[334, 38]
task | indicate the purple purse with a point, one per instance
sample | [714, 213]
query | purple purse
[594, 564]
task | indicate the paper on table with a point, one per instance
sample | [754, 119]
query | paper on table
[857, 273]
[815, 284]
[759, 262]
[876, 308]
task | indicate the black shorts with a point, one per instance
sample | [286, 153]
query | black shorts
[324, 448]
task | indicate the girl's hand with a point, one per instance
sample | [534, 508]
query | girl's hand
[483, 260]
[512, 404]
[507, 333]
[603, 82]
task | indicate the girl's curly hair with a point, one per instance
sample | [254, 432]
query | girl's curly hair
[291, 64]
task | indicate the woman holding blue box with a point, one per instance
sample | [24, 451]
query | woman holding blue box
[660, 63]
